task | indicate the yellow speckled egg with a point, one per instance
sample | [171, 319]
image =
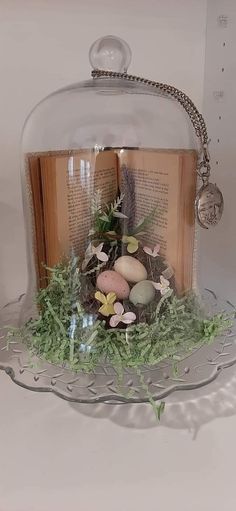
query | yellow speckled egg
[130, 268]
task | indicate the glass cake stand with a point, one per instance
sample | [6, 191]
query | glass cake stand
[102, 385]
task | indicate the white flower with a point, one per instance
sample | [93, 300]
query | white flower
[154, 252]
[97, 251]
[94, 251]
[126, 318]
[163, 286]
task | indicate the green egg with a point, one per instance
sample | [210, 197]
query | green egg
[142, 293]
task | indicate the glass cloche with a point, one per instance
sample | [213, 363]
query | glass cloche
[115, 178]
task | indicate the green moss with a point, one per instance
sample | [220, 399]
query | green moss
[59, 334]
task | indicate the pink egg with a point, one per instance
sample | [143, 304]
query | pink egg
[110, 280]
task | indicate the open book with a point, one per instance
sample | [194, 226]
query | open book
[63, 185]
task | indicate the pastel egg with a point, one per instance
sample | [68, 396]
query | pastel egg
[143, 292]
[110, 280]
[130, 268]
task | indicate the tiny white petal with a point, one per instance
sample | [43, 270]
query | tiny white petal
[156, 250]
[114, 320]
[102, 256]
[157, 285]
[128, 317]
[99, 248]
[164, 282]
[148, 250]
[118, 308]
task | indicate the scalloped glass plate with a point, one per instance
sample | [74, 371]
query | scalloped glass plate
[102, 385]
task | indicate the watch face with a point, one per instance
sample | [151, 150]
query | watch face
[209, 205]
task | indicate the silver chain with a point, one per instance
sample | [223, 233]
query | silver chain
[195, 116]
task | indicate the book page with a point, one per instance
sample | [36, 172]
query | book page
[68, 184]
[84, 177]
[158, 183]
[157, 177]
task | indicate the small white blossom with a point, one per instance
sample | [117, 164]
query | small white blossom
[94, 251]
[120, 316]
[163, 286]
[154, 252]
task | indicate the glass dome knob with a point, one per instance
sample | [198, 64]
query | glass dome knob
[110, 53]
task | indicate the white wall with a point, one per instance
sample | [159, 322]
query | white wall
[44, 46]
[218, 254]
